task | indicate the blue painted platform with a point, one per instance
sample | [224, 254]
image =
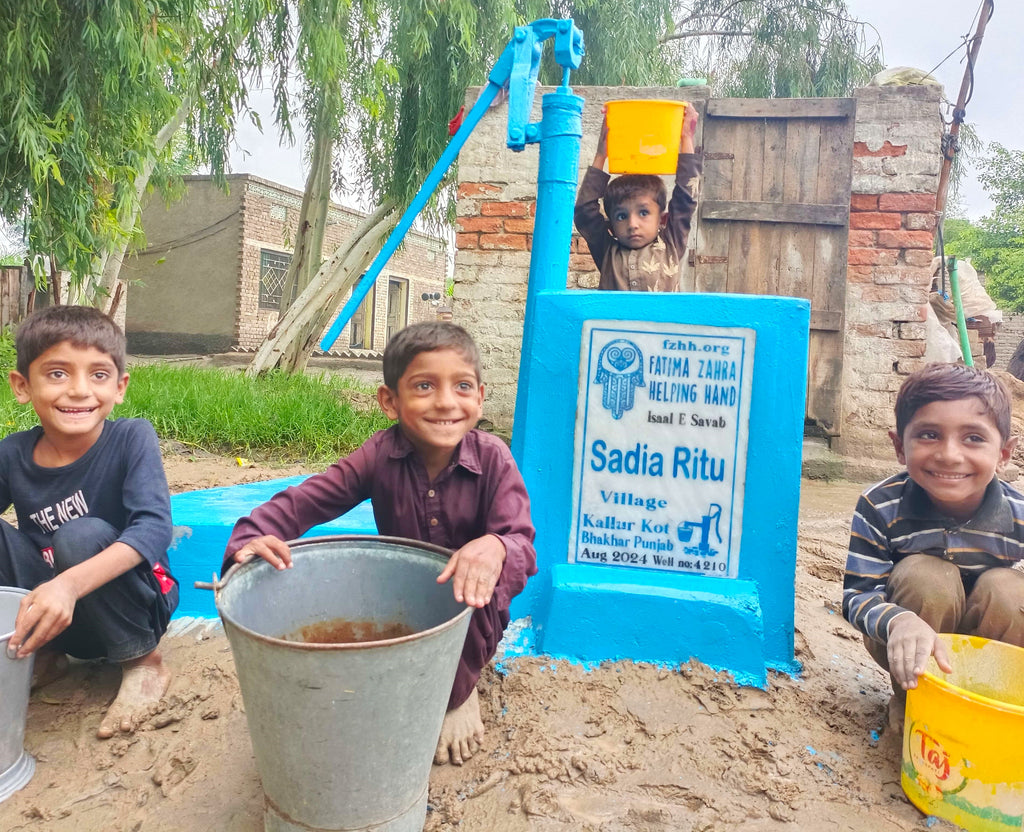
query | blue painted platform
[593, 613]
[202, 525]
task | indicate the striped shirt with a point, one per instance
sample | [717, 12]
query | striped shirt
[895, 518]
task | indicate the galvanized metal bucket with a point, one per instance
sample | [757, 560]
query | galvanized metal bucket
[344, 734]
[16, 765]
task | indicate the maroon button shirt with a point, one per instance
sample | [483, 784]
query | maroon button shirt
[480, 492]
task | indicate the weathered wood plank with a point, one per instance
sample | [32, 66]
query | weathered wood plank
[741, 157]
[774, 160]
[835, 161]
[798, 212]
[782, 108]
[711, 271]
[800, 177]
[834, 179]
[826, 321]
[753, 142]
[828, 289]
[772, 177]
[774, 219]
[824, 381]
[794, 268]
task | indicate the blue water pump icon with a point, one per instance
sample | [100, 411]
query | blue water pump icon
[686, 528]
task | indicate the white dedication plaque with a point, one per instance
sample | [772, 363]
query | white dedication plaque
[661, 446]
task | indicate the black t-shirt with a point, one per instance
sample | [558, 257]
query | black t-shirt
[120, 479]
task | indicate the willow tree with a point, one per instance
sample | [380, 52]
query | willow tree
[92, 93]
[774, 48]
[623, 40]
[332, 38]
[399, 87]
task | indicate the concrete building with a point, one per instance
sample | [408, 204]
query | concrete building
[211, 275]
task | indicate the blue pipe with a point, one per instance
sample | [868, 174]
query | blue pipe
[557, 175]
[362, 289]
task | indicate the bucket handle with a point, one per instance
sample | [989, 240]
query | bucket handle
[6, 637]
[215, 584]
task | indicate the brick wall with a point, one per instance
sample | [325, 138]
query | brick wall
[270, 218]
[896, 159]
[895, 178]
[1008, 336]
[496, 208]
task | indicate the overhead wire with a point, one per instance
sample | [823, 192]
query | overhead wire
[949, 142]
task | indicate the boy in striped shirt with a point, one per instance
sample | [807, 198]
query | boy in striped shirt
[939, 548]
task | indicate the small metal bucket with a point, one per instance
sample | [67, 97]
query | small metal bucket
[344, 734]
[16, 765]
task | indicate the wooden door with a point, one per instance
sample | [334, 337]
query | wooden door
[398, 305]
[361, 331]
[10, 295]
[774, 214]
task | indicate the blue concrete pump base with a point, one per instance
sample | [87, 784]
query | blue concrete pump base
[663, 618]
[593, 613]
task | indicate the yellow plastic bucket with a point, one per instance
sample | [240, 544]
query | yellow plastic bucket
[963, 737]
[643, 135]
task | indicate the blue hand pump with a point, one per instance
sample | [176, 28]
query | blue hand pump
[559, 135]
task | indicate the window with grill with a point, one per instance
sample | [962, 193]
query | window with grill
[273, 268]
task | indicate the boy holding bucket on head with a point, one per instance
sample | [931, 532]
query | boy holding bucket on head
[939, 548]
[94, 513]
[639, 242]
[432, 477]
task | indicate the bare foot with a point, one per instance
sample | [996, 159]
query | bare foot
[50, 665]
[143, 682]
[461, 733]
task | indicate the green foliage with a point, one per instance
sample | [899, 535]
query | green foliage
[277, 416]
[8, 356]
[411, 81]
[623, 42]
[12, 249]
[995, 244]
[79, 120]
[85, 89]
[1002, 175]
[405, 85]
[776, 48]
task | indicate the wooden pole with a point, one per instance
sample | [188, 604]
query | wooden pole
[987, 7]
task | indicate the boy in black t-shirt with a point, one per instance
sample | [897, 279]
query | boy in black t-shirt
[94, 519]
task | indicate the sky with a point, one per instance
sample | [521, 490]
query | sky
[917, 33]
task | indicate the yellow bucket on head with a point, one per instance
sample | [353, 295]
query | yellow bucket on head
[963, 737]
[643, 135]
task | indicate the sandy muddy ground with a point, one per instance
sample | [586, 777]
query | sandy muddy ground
[622, 748]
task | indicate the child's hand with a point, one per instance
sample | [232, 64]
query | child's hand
[911, 642]
[476, 567]
[272, 549]
[689, 129]
[42, 616]
[601, 156]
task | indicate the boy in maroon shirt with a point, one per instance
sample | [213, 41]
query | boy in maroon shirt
[431, 477]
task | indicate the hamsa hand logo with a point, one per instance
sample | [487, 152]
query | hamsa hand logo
[620, 370]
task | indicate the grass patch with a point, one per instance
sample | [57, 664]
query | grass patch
[277, 417]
